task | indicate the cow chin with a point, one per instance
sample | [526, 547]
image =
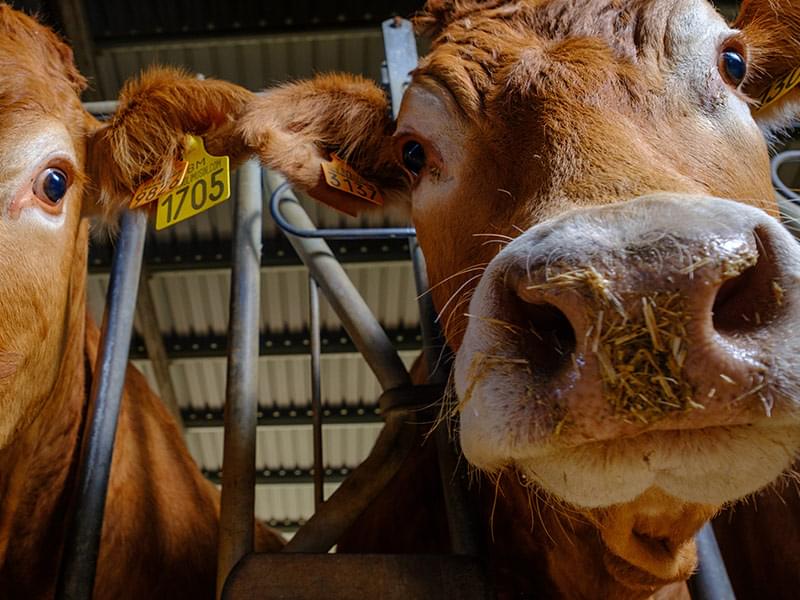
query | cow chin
[695, 466]
[712, 464]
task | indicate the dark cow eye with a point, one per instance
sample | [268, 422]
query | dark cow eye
[733, 67]
[51, 185]
[414, 157]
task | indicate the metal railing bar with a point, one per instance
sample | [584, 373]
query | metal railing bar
[237, 511]
[367, 334]
[102, 107]
[82, 542]
[711, 581]
[461, 520]
[778, 161]
[311, 232]
[316, 391]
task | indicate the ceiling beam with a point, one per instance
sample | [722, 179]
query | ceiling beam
[271, 343]
[160, 256]
[283, 416]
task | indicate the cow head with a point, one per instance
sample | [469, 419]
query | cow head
[590, 185]
[59, 165]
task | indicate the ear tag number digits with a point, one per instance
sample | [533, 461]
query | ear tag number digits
[151, 189]
[779, 89]
[341, 176]
[207, 183]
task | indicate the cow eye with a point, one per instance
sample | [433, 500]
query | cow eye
[733, 67]
[414, 157]
[51, 185]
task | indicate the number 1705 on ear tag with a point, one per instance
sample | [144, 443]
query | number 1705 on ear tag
[206, 184]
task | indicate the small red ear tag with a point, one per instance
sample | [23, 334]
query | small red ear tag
[341, 177]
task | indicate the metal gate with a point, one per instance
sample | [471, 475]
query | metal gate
[241, 573]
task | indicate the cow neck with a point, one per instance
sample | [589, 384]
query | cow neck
[538, 546]
[39, 470]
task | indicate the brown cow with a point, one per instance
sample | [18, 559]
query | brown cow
[160, 532]
[592, 177]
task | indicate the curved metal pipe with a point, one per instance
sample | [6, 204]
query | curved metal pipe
[367, 334]
[777, 162]
[82, 542]
[711, 581]
[349, 233]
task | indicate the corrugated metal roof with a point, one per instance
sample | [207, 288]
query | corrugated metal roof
[254, 62]
[290, 447]
[116, 18]
[196, 302]
[284, 381]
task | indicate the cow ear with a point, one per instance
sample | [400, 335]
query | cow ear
[296, 128]
[771, 32]
[146, 135]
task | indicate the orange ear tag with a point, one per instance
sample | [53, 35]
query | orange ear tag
[151, 189]
[779, 89]
[341, 176]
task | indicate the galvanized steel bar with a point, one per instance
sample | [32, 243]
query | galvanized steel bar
[82, 543]
[237, 520]
[778, 161]
[400, 48]
[102, 107]
[461, 518]
[711, 581]
[342, 233]
[367, 334]
[316, 391]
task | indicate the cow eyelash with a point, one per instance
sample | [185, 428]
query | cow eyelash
[733, 63]
[415, 156]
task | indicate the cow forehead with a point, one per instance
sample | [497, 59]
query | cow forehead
[485, 50]
[38, 72]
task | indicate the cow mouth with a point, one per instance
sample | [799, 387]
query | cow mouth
[690, 465]
[650, 541]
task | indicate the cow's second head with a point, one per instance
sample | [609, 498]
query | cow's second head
[59, 165]
[590, 185]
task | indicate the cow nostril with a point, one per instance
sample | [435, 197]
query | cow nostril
[547, 339]
[752, 298]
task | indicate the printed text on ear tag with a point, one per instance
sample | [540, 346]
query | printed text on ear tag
[341, 176]
[207, 183]
[779, 88]
[151, 189]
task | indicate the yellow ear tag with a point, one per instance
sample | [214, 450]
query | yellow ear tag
[779, 89]
[341, 176]
[207, 183]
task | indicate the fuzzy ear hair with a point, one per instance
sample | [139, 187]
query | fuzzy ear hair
[771, 31]
[295, 128]
[438, 14]
[146, 135]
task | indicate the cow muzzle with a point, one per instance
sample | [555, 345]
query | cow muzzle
[607, 346]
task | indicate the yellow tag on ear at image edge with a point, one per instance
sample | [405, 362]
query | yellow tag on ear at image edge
[779, 89]
[341, 176]
[207, 183]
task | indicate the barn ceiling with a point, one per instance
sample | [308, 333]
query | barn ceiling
[254, 44]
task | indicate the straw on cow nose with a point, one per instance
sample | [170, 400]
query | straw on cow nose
[639, 315]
